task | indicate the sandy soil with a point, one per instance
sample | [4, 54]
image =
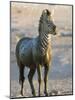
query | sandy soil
[55, 87]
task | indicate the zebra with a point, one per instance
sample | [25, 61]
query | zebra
[35, 53]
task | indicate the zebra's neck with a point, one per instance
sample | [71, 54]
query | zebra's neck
[45, 40]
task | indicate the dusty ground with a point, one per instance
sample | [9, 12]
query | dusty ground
[55, 87]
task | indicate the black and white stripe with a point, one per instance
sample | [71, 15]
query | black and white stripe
[44, 42]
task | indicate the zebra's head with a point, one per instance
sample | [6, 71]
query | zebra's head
[46, 23]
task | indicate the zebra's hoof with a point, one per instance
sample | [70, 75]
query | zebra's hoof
[46, 94]
[34, 94]
[39, 95]
[21, 93]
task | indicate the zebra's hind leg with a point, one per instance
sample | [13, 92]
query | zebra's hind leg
[30, 77]
[21, 78]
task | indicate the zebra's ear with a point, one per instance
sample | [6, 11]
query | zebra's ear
[47, 12]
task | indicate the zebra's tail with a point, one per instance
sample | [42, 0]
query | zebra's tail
[19, 36]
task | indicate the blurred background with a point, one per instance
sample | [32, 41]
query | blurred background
[24, 23]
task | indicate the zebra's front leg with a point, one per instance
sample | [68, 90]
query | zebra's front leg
[30, 77]
[39, 77]
[46, 79]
